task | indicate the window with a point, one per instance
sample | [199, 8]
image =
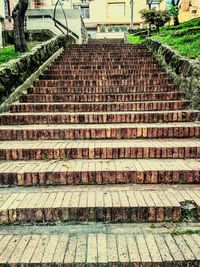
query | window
[116, 9]
[7, 8]
[38, 3]
[84, 10]
[194, 11]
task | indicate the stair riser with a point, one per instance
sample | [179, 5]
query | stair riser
[55, 83]
[58, 76]
[99, 98]
[106, 65]
[99, 178]
[105, 68]
[83, 107]
[53, 71]
[101, 90]
[119, 60]
[100, 118]
[106, 214]
[101, 153]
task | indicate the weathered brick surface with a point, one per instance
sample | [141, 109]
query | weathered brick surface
[116, 149]
[92, 249]
[101, 89]
[94, 107]
[102, 172]
[97, 204]
[96, 131]
[98, 117]
[35, 98]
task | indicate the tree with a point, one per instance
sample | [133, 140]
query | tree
[155, 17]
[174, 11]
[18, 15]
[149, 3]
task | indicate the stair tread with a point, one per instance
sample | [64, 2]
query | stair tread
[33, 166]
[58, 144]
[94, 244]
[100, 126]
[96, 112]
[100, 103]
[84, 202]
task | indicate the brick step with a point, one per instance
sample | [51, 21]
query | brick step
[120, 63]
[96, 203]
[92, 76]
[99, 117]
[151, 89]
[42, 98]
[103, 54]
[130, 61]
[53, 70]
[100, 149]
[100, 106]
[104, 58]
[99, 131]
[98, 245]
[106, 67]
[92, 83]
[99, 172]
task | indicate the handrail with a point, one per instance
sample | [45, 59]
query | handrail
[54, 15]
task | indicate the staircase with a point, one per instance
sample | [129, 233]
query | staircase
[100, 162]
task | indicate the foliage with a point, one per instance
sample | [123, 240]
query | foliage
[9, 52]
[179, 231]
[154, 17]
[175, 11]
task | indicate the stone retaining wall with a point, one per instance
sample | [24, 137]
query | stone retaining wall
[184, 72]
[16, 71]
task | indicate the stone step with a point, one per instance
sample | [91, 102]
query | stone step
[98, 83]
[100, 106]
[99, 117]
[100, 149]
[116, 203]
[42, 98]
[99, 172]
[151, 89]
[98, 245]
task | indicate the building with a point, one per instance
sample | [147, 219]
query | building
[102, 18]
[2, 17]
[189, 9]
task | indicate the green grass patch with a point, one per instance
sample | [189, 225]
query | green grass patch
[9, 52]
[185, 38]
[179, 231]
[187, 45]
[133, 39]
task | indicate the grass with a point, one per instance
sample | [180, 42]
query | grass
[9, 53]
[187, 45]
[185, 38]
[135, 39]
[179, 231]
